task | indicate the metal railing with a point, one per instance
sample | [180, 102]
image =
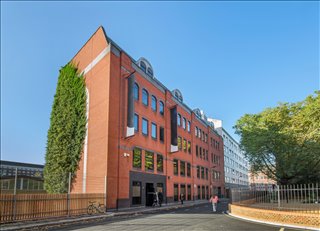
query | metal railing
[300, 198]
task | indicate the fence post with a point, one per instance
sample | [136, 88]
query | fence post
[68, 196]
[15, 195]
[278, 188]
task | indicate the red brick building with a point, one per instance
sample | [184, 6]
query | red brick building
[141, 136]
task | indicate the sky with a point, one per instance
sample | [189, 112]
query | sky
[227, 58]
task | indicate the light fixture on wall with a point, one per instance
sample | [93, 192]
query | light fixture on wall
[126, 154]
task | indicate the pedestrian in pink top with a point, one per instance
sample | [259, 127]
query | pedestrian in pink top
[214, 200]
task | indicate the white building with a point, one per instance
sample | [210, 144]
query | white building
[236, 168]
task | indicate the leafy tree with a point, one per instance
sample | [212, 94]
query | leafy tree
[284, 142]
[67, 130]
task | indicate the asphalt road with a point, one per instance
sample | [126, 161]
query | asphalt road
[199, 217]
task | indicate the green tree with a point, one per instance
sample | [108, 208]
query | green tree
[67, 130]
[284, 142]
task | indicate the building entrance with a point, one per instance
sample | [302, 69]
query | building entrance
[149, 194]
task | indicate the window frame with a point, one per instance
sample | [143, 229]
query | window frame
[161, 105]
[154, 103]
[154, 125]
[136, 129]
[136, 90]
[145, 93]
[145, 134]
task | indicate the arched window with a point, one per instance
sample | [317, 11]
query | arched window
[179, 119]
[149, 71]
[136, 91]
[154, 103]
[145, 97]
[161, 107]
[143, 66]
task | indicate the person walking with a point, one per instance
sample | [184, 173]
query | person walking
[160, 196]
[214, 200]
[182, 198]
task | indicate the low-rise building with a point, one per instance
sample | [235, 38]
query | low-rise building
[29, 176]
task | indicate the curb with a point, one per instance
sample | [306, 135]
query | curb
[272, 223]
[44, 223]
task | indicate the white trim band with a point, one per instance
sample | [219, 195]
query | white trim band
[97, 59]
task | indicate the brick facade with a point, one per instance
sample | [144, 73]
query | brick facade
[107, 161]
[297, 218]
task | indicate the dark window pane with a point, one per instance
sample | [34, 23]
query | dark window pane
[136, 192]
[175, 167]
[182, 168]
[143, 66]
[162, 134]
[184, 121]
[149, 71]
[189, 146]
[189, 126]
[175, 192]
[188, 169]
[179, 119]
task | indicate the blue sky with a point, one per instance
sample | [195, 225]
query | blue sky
[227, 58]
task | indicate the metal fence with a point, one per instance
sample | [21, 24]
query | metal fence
[300, 198]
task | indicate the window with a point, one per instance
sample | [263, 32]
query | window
[188, 169]
[175, 167]
[189, 126]
[189, 192]
[136, 162]
[189, 147]
[159, 163]
[145, 97]
[179, 142]
[182, 168]
[200, 152]
[149, 71]
[161, 135]
[143, 66]
[179, 119]
[153, 130]
[197, 154]
[144, 126]
[199, 133]
[184, 145]
[184, 121]
[136, 122]
[199, 192]
[136, 91]
[136, 192]
[175, 192]
[206, 173]
[203, 192]
[149, 159]
[202, 172]
[206, 138]
[196, 131]
[161, 108]
[198, 172]
[154, 103]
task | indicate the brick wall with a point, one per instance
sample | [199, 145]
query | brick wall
[282, 217]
